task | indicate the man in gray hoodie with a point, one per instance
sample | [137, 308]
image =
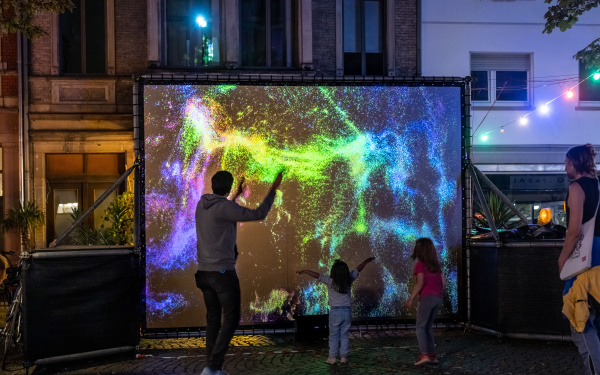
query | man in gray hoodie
[216, 228]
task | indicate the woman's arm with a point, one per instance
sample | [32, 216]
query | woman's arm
[575, 204]
[309, 273]
[416, 290]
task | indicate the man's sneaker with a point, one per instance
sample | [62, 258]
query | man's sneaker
[423, 358]
[434, 359]
[208, 371]
[330, 360]
[344, 360]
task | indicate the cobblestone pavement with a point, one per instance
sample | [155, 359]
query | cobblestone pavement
[372, 352]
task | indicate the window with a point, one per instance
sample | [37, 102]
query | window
[501, 79]
[589, 89]
[83, 38]
[189, 33]
[75, 182]
[363, 37]
[265, 33]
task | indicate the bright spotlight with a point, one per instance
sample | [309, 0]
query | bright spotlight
[201, 21]
[523, 121]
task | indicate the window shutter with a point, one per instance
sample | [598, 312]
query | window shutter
[500, 61]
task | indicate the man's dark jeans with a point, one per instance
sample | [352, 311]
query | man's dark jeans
[222, 296]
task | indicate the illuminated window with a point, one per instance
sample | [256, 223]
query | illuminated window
[589, 89]
[83, 38]
[363, 37]
[265, 33]
[189, 33]
[503, 79]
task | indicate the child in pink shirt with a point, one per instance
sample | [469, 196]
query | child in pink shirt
[430, 289]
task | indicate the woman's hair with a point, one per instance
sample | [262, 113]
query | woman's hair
[425, 252]
[340, 274]
[583, 158]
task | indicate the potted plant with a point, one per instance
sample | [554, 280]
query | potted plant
[23, 219]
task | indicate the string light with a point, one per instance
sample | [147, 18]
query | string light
[523, 120]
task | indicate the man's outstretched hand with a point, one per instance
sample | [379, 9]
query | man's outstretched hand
[277, 181]
[240, 189]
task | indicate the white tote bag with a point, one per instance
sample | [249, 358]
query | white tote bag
[581, 258]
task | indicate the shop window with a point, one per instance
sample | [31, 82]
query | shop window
[363, 37]
[83, 38]
[501, 79]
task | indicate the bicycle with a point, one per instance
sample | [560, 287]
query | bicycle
[11, 334]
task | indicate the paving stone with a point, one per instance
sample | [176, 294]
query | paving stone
[372, 352]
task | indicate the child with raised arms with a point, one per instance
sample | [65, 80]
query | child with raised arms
[339, 283]
[430, 289]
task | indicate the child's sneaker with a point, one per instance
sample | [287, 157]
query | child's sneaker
[423, 358]
[344, 360]
[208, 371]
[331, 360]
[434, 359]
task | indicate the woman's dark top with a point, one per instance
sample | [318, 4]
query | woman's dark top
[590, 189]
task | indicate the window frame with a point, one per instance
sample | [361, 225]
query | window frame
[492, 63]
[108, 41]
[288, 40]
[361, 15]
[588, 84]
[213, 24]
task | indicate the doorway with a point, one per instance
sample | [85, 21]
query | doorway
[75, 182]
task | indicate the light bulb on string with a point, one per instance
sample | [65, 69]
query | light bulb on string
[569, 94]
[484, 137]
[544, 109]
[523, 120]
[596, 76]
[502, 130]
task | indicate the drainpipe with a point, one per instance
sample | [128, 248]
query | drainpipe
[419, 21]
[24, 177]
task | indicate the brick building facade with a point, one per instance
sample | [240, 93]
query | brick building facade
[78, 103]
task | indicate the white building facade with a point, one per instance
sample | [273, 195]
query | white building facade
[530, 99]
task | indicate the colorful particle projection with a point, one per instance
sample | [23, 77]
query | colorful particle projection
[368, 170]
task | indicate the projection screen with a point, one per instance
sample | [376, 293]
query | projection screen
[368, 169]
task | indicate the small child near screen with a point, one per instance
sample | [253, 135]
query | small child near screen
[430, 289]
[339, 283]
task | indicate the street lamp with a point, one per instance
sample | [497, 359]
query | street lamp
[201, 21]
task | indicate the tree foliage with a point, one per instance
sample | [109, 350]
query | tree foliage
[563, 14]
[18, 15]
